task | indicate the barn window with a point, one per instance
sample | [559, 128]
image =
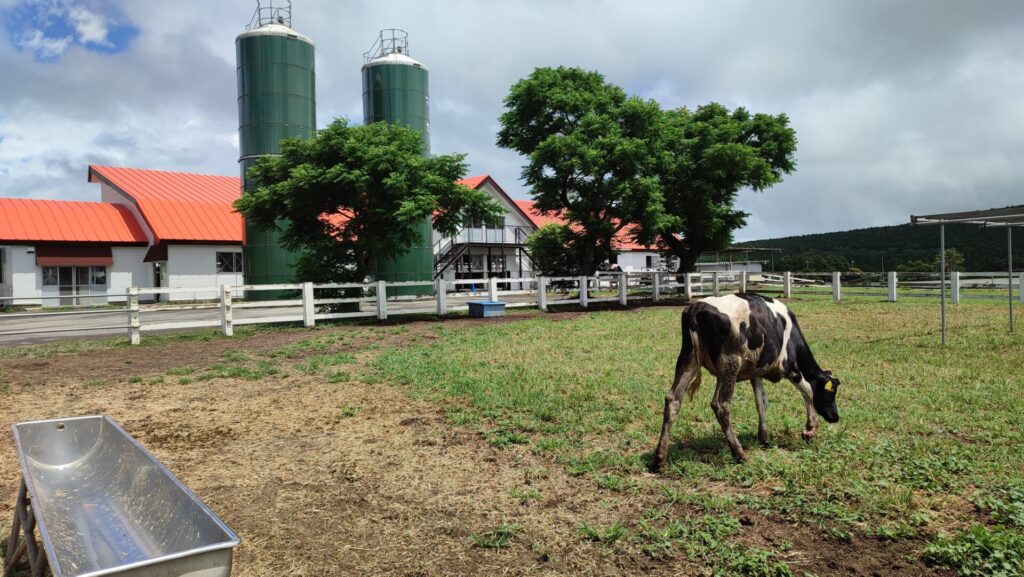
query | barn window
[50, 276]
[98, 276]
[228, 262]
[650, 261]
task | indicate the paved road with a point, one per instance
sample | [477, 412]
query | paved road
[113, 322]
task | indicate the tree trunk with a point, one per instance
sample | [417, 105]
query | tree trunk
[686, 254]
[587, 264]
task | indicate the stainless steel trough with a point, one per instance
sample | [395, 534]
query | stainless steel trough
[104, 506]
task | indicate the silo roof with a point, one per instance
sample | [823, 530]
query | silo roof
[275, 30]
[396, 58]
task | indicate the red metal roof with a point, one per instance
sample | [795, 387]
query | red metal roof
[179, 206]
[474, 182]
[622, 240]
[30, 220]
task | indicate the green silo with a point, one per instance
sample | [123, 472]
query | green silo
[396, 90]
[276, 100]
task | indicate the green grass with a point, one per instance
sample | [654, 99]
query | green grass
[249, 371]
[923, 427]
[498, 537]
[609, 534]
[319, 364]
[524, 496]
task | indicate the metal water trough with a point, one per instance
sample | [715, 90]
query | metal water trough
[103, 505]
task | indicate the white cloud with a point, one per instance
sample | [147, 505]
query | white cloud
[90, 27]
[34, 41]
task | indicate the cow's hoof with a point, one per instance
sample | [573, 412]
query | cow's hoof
[809, 435]
[740, 457]
[763, 440]
[657, 466]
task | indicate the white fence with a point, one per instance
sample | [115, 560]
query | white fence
[311, 303]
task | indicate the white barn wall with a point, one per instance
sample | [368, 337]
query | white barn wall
[637, 260]
[26, 282]
[196, 266]
[128, 270]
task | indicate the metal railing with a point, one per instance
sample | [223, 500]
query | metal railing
[271, 12]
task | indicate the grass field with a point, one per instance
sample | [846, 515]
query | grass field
[536, 435]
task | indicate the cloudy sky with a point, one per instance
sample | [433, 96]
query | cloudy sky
[899, 107]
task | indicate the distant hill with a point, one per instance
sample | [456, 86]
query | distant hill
[867, 248]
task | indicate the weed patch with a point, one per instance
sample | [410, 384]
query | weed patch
[498, 537]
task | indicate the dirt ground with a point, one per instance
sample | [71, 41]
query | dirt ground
[347, 478]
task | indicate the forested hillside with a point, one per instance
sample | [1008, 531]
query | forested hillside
[889, 247]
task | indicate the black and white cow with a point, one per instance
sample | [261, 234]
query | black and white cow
[746, 337]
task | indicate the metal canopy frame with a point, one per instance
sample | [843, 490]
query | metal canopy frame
[1008, 217]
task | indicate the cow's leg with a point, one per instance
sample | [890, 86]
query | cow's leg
[685, 375]
[721, 403]
[811, 428]
[761, 400]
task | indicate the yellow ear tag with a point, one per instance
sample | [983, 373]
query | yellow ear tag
[828, 386]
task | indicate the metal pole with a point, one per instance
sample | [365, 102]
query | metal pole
[942, 276]
[1009, 271]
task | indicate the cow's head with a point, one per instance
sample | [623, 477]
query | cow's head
[825, 388]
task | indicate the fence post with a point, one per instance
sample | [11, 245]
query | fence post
[687, 286]
[837, 289]
[134, 321]
[743, 281]
[656, 286]
[787, 285]
[1020, 288]
[892, 286]
[382, 300]
[308, 305]
[623, 283]
[714, 283]
[492, 289]
[542, 293]
[584, 291]
[441, 291]
[954, 285]
[226, 316]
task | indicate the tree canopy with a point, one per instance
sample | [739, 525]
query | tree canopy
[351, 194]
[708, 156]
[610, 163]
[554, 251]
[591, 155]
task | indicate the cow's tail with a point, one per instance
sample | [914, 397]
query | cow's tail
[688, 364]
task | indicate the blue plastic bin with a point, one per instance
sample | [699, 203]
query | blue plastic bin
[483, 309]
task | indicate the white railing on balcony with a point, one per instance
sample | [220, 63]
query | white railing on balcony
[504, 235]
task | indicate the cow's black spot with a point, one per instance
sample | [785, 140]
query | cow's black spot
[712, 327]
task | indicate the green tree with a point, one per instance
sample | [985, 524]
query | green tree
[554, 250]
[351, 194]
[706, 157]
[591, 157]
[915, 266]
[954, 261]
